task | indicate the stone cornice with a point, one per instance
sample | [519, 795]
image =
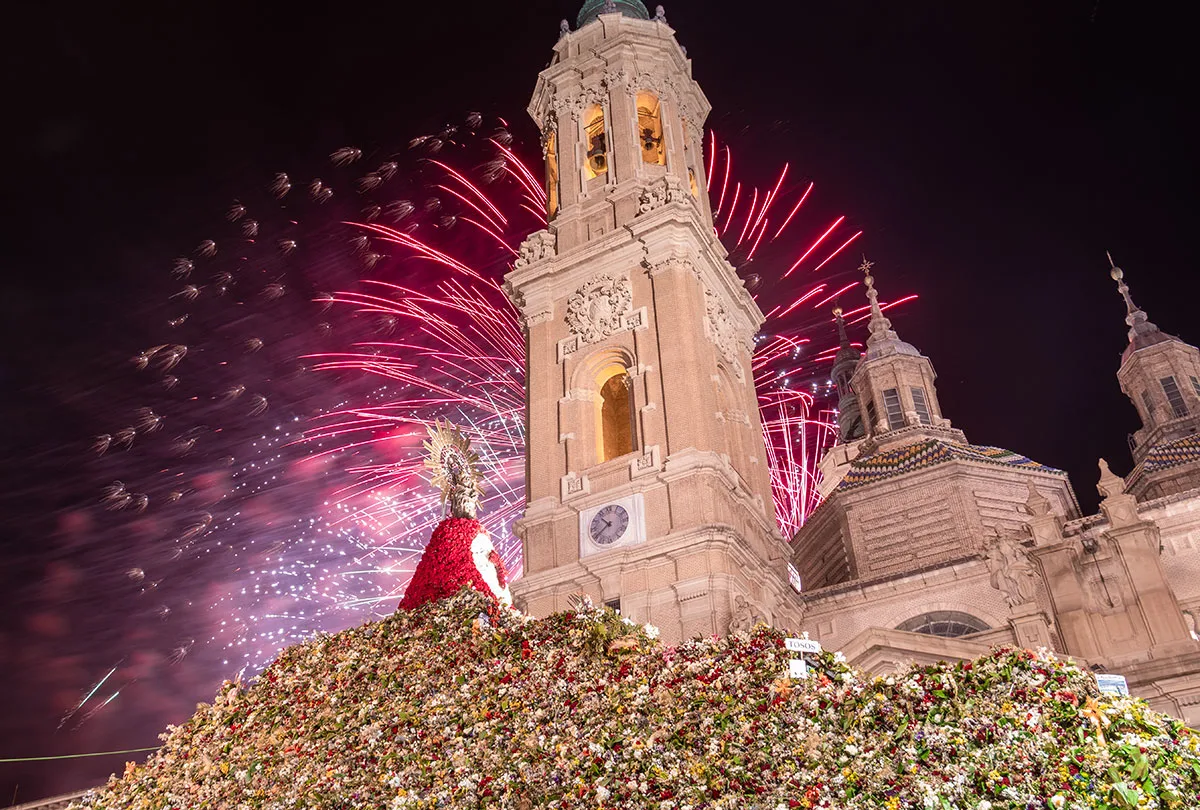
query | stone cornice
[970, 565]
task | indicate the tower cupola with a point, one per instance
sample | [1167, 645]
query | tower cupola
[894, 383]
[1161, 376]
[594, 8]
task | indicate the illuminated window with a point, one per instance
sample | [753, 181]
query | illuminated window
[650, 131]
[945, 623]
[615, 434]
[692, 183]
[551, 174]
[597, 142]
[891, 403]
[921, 407]
[1174, 397]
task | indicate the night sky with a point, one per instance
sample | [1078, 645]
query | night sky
[991, 153]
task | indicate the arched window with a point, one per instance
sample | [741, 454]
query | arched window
[945, 623]
[551, 174]
[597, 142]
[650, 131]
[615, 428]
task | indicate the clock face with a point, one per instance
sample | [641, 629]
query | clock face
[609, 525]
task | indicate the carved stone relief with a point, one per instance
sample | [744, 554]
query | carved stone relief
[1011, 571]
[597, 309]
[656, 195]
[669, 265]
[575, 103]
[745, 616]
[721, 331]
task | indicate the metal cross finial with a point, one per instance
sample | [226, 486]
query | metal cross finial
[866, 266]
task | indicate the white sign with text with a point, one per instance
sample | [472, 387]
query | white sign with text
[802, 645]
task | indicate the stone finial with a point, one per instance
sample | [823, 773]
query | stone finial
[879, 326]
[610, 7]
[660, 14]
[1138, 321]
[564, 28]
[1109, 485]
[1036, 505]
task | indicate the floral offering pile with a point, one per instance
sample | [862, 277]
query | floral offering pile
[463, 704]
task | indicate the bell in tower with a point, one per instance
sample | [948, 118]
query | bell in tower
[646, 475]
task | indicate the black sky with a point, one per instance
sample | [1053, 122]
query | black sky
[992, 153]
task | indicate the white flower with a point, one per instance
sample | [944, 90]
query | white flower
[984, 805]
[651, 631]
[1057, 801]
[839, 657]
[602, 793]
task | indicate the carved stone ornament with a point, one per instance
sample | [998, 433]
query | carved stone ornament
[596, 309]
[537, 246]
[670, 265]
[1036, 505]
[661, 84]
[575, 103]
[745, 616]
[1011, 571]
[669, 190]
[722, 332]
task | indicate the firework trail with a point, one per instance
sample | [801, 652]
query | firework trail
[267, 481]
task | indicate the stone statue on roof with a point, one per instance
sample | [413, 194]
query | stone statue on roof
[1012, 572]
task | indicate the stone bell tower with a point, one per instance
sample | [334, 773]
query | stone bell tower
[646, 474]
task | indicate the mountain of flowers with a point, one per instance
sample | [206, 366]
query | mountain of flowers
[462, 703]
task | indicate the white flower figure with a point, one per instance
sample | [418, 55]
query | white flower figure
[484, 555]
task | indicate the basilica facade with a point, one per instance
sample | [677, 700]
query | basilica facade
[647, 479]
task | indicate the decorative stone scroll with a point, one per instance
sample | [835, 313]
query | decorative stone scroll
[721, 331]
[537, 246]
